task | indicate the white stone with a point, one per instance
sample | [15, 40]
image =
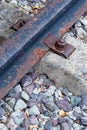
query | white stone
[34, 110]
[77, 109]
[50, 91]
[25, 96]
[18, 117]
[29, 8]
[83, 20]
[14, 2]
[20, 105]
[11, 124]
[18, 88]
[7, 108]
[44, 1]
[35, 91]
[11, 101]
[77, 126]
[3, 127]
[71, 115]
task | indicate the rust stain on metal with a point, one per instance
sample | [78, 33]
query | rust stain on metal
[60, 47]
[31, 60]
[7, 45]
[20, 23]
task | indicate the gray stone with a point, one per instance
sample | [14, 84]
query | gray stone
[34, 110]
[19, 128]
[83, 103]
[77, 109]
[34, 129]
[50, 91]
[32, 102]
[20, 105]
[29, 89]
[4, 119]
[71, 115]
[58, 94]
[84, 113]
[66, 92]
[33, 120]
[11, 101]
[84, 120]
[24, 95]
[18, 88]
[75, 100]
[39, 81]
[76, 126]
[35, 91]
[2, 112]
[79, 30]
[49, 105]
[26, 124]
[48, 125]
[64, 105]
[7, 108]
[11, 124]
[1, 102]
[66, 124]
[27, 80]
[18, 117]
[83, 20]
[55, 122]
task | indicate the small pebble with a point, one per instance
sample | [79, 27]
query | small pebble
[64, 105]
[34, 110]
[48, 125]
[25, 96]
[27, 80]
[75, 100]
[20, 105]
[3, 127]
[50, 91]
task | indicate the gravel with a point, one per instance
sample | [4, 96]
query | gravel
[37, 103]
[41, 110]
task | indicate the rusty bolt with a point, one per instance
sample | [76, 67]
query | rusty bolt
[60, 44]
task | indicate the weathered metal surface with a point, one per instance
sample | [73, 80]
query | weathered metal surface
[19, 68]
[56, 18]
[61, 48]
[18, 24]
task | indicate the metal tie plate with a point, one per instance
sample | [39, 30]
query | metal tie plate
[60, 47]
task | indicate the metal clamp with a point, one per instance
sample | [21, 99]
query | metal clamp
[58, 46]
[19, 24]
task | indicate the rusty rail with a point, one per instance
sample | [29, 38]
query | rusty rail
[24, 49]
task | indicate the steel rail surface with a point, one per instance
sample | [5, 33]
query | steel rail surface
[24, 49]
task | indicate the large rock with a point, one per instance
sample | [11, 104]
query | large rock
[71, 72]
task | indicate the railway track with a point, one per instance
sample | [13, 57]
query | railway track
[25, 48]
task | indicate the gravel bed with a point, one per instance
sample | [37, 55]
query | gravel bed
[36, 103]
